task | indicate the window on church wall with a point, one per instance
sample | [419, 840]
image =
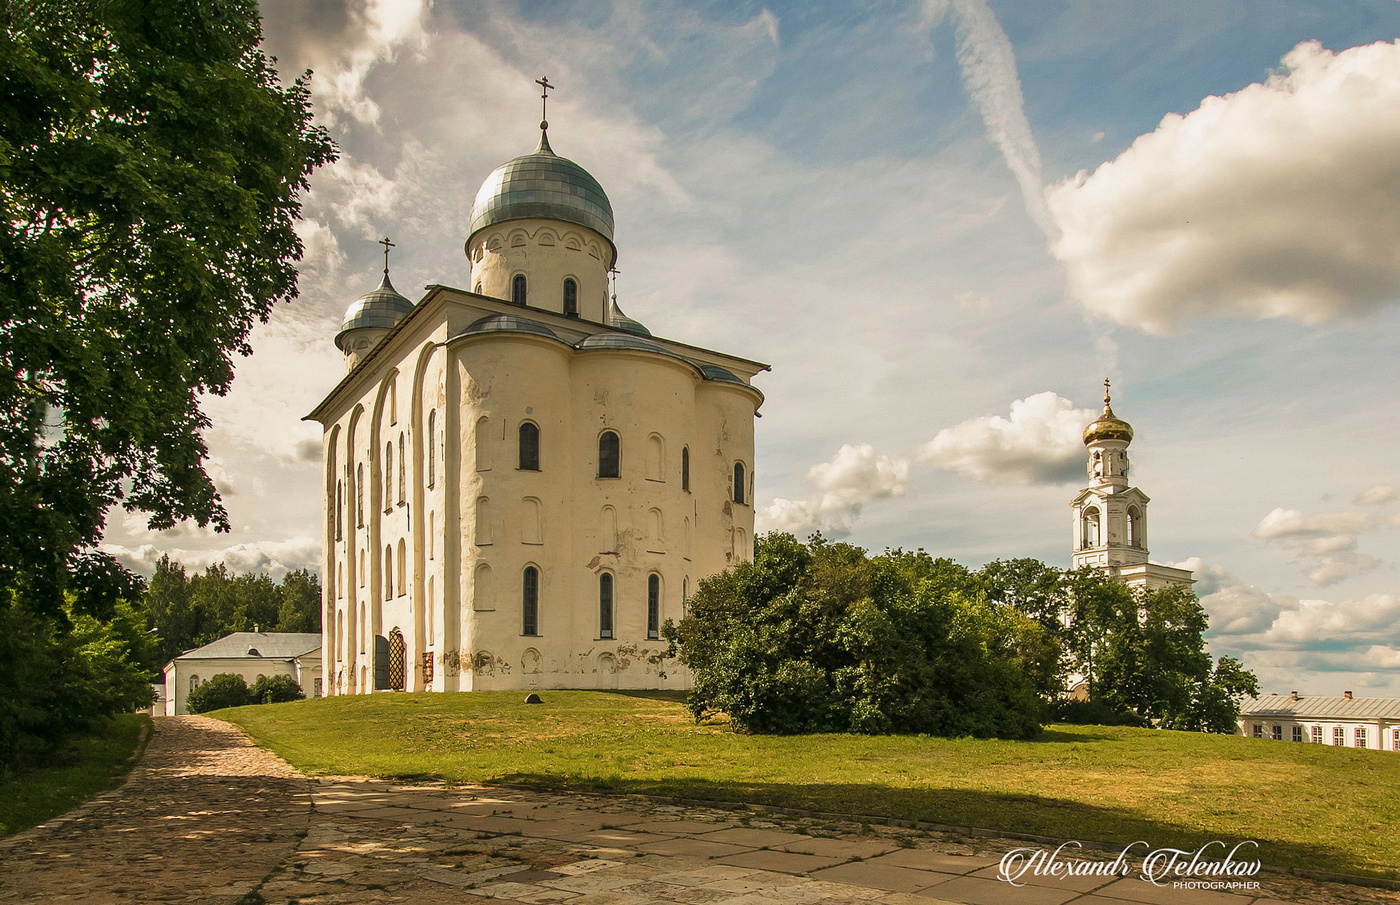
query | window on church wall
[403, 567]
[429, 610]
[656, 455]
[607, 530]
[362, 628]
[605, 605]
[531, 521]
[388, 572]
[529, 437]
[339, 510]
[685, 597]
[517, 289]
[360, 495]
[653, 607]
[685, 468]
[393, 402]
[483, 588]
[609, 455]
[482, 535]
[530, 602]
[739, 482]
[655, 531]
[570, 298]
[1134, 526]
[483, 444]
[741, 545]
[388, 476]
[403, 463]
[432, 448]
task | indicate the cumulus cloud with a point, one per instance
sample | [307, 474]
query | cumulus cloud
[1041, 442]
[1329, 537]
[857, 475]
[274, 557]
[1376, 496]
[987, 63]
[1278, 200]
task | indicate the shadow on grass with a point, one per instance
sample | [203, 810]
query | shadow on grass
[1024, 814]
[670, 697]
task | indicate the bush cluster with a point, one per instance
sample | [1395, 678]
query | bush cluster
[229, 690]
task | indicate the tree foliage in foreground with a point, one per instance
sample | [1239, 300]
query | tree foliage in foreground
[822, 638]
[151, 164]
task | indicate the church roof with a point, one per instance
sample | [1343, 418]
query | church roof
[544, 186]
[714, 372]
[508, 323]
[1108, 426]
[621, 341]
[268, 645]
[381, 307]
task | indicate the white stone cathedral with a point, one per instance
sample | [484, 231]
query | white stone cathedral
[1110, 517]
[521, 483]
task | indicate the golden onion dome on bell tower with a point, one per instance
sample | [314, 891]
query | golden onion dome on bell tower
[1108, 426]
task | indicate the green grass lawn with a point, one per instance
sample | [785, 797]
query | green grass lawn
[80, 769]
[1310, 806]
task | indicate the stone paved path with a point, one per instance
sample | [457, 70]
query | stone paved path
[205, 817]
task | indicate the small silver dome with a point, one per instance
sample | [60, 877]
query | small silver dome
[543, 186]
[382, 308]
[620, 321]
[508, 323]
[620, 341]
[714, 372]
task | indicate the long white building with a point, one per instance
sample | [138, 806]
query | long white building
[1345, 721]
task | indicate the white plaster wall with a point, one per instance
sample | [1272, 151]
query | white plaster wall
[547, 252]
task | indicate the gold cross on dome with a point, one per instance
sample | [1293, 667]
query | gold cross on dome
[543, 82]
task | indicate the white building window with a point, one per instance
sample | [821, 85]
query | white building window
[1297, 733]
[1277, 733]
[1360, 737]
[1395, 740]
[1339, 736]
[1258, 730]
[1317, 735]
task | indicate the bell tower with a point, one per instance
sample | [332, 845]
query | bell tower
[1110, 516]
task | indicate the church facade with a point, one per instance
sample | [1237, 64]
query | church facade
[522, 484]
[1110, 516]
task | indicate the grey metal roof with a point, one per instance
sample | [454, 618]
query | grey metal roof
[381, 307]
[508, 323]
[620, 321]
[621, 341]
[269, 646]
[546, 186]
[1319, 707]
[714, 372]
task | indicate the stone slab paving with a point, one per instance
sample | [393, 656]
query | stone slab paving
[206, 817]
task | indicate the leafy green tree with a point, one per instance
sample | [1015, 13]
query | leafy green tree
[218, 692]
[275, 690]
[820, 638]
[300, 607]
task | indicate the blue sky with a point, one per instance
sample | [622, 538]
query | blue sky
[943, 223]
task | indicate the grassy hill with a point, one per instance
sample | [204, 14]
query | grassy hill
[1309, 806]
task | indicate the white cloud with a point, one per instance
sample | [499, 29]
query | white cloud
[988, 65]
[375, 33]
[1376, 496]
[1278, 200]
[1291, 523]
[1329, 537]
[1041, 442]
[853, 478]
[1333, 569]
[274, 557]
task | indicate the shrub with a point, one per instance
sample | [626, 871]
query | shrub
[223, 690]
[275, 690]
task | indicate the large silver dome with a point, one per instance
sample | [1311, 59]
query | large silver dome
[382, 307]
[543, 186]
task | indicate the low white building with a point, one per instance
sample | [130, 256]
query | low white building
[1345, 721]
[251, 655]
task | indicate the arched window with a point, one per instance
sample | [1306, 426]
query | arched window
[529, 446]
[656, 458]
[388, 476]
[403, 463]
[432, 447]
[1134, 526]
[483, 588]
[685, 597]
[738, 482]
[483, 444]
[608, 530]
[653, 606]
[482, 534]
[530, 602]
[1091, 527]
[194, 682]
[605, 605]
[388, 572]
[362, 627]
[360, 495]
[403, 567]
[685, 468]
[339, 509]
[570, 298]
[517, 289]
[609, 455]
